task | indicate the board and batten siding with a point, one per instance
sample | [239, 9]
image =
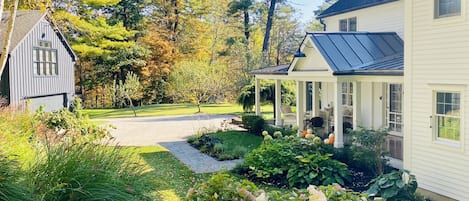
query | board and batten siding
[436, 56]
[388, 17]
[23, 83]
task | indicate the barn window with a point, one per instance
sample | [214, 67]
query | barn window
[45, 59]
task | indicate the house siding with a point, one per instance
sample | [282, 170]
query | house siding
[23, 83]
[436, 55]
[387, 17]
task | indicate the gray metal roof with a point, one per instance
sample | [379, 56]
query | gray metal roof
[25, 21]
[275, 70]
[354, 52]
[343, 6]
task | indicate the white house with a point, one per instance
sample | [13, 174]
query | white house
[436, 97]
[396, 64]
[40, 65]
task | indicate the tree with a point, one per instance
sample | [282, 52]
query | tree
[127, 91]
[6, 43]
[243, 6]
[267, 93]
[197, 81]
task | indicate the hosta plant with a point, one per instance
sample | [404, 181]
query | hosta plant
[394, 186]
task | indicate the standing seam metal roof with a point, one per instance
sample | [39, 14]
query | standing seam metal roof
[343, 6]
[348, 52]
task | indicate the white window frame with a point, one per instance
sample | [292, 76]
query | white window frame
[437, 10]
[347, 93]
[348, 27]
[389, 112]
[445, 88]
[45, 59]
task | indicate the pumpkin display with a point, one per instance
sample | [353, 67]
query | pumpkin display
[303, 133]
[310, 136]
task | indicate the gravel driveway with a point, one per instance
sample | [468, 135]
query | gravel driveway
[144, 131]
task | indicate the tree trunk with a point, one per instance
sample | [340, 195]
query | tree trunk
[268, 27]
[198, 106]
[9, 31]
[132, 106]
[247, 35]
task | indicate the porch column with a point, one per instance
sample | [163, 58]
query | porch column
[257, 95]
[356, 104]
[315, 99]
[300, 104]
[338, 115]
[278, 102]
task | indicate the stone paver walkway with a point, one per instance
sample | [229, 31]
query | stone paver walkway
[171, 132]
[196, 161]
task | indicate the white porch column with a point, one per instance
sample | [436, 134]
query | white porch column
[315, 99]
[257, 99]
[278, 102]
[356, 104]
[338, 115]
[300, 104]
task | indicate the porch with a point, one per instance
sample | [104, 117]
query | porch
[349, 80]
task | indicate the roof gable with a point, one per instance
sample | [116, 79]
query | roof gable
[25, 21]
[343, 6]
[349, 52]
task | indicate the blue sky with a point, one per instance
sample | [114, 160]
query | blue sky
[306, 7]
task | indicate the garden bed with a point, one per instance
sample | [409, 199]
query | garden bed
[227, 145]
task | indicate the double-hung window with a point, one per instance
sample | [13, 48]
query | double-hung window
[395, 108]
[447, 8]
[349, 24]
[45, 59]
[347, 93]
[447, 114]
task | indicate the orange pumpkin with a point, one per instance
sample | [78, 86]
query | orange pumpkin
[331, 139]
[303, 133]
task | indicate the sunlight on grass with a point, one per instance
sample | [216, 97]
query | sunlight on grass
[169, 195]
[172, 109]
[171, 178]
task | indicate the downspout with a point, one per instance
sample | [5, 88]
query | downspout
[323, 24]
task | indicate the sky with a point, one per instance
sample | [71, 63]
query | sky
[306, 7]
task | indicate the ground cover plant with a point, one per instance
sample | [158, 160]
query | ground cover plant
[226, 145]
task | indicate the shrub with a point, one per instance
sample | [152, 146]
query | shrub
[286, 131]
[254, 124]
[369, 154]
[222, 186]
[71, 170]
[65, 123]
[395, 186]
[292, 161]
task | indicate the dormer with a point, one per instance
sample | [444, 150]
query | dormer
[365, 16]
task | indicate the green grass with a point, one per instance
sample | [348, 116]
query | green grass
[232, 139]
[172, 109]
[172, 179]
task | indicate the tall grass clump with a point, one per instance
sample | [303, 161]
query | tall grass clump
[12, 188]
[72, 170]
[63, 156]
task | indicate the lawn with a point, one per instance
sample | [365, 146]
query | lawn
[172, 179]
[232, 139]
[173, 109]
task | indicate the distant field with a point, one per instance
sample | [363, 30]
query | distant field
[173, 109]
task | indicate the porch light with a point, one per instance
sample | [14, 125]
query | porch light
[299, 54]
